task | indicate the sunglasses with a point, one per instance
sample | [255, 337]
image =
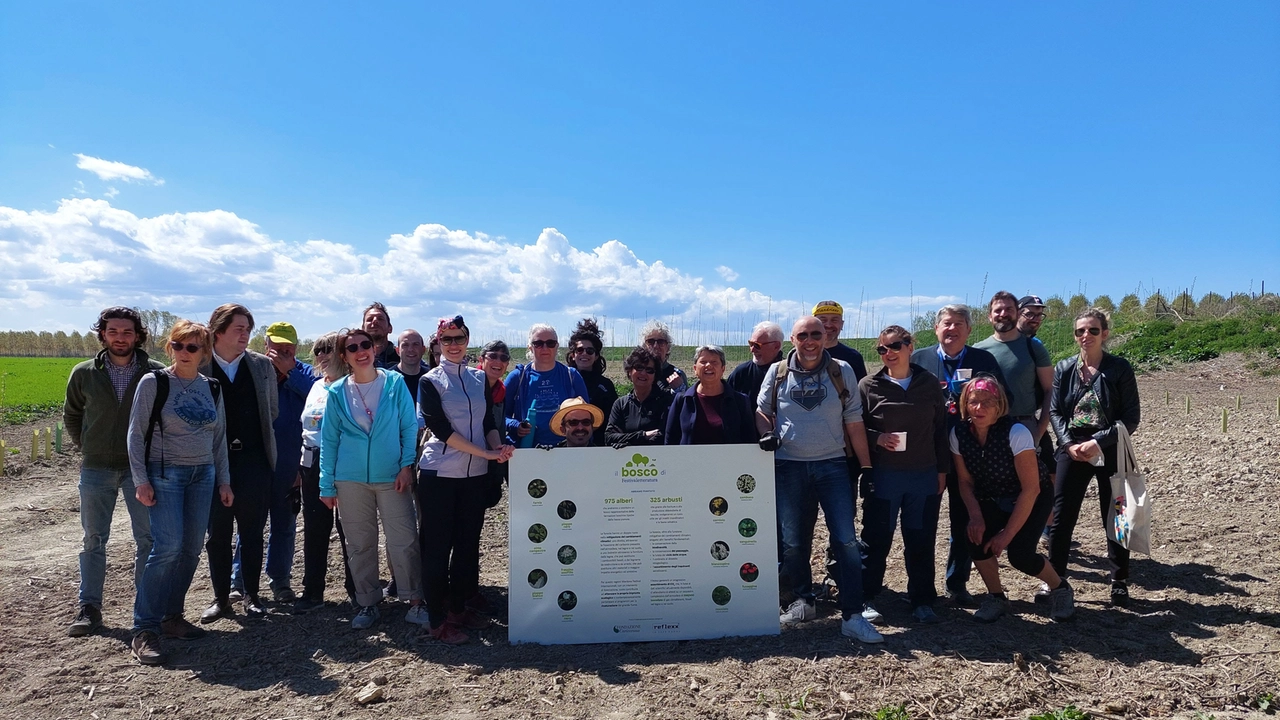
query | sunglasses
[500, 357]
[894, 346]
[1091, 330]
[189, 347]
[760, 345]
[362, 345]
[453, 340]
[580, 422]
[585, 350]
[325, 351]
[807, 336]
[657, 341]
[645, 370]
[549, 344]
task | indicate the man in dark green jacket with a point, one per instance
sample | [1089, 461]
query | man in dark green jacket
[96, 414]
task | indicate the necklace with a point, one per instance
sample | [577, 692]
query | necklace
[188, 384]
[363, 401]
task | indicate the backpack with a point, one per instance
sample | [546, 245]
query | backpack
[162, 395]
[837, 379]
[1031, 352]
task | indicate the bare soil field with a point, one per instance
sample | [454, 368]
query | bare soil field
[1202, 635]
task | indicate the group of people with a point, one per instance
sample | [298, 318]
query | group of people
[224, 440]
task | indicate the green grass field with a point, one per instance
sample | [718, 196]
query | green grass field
[32, 387]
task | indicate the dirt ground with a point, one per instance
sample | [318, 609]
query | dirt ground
[1202, 635]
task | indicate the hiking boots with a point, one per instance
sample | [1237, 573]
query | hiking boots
[146, 648]
[87, 620]
[178, 628]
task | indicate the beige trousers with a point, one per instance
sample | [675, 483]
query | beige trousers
[360, 505]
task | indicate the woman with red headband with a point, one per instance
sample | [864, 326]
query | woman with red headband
[455, 401]
[1008, 495]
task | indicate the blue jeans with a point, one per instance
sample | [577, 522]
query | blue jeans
[802, 486]
[281, 541]
[98, 491]
[178, 523]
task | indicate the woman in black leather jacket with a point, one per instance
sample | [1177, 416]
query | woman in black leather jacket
[1091, 393]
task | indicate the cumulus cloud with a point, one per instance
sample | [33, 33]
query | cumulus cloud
[67, 264]
[727, 273]
[111, 170]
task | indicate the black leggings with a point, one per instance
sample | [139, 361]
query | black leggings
[318, 521]
[1022, 549]
[1070, 483]
[449, 537]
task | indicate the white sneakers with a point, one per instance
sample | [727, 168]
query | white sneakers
[871, 614]
[797, 612]
[417, 615]
[859, 629]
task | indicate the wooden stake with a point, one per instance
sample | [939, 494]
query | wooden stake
[48, 443]
[4, 453]
[1224, 419]
[35, 444]
[1237, 402]
[1188, 404]
[1166, 397]
[57, 438]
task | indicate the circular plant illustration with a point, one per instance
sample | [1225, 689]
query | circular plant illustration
[747, 527]
[567, 600]
[537, 532]
[719, 550]
[566, 554]
[721, 595]
[566, 509]
[718, 505]
[537, 578]
[746, 484]
[749, 572]
[537, 488]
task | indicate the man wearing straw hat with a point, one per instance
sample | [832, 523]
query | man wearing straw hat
[576, 421]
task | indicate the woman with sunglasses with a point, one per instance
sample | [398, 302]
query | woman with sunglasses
[455, 403]
[175, 467]
[540, 386]
[319, 520]
[1008, 494]
[1091, 393]
[368, 437]
[710, 412]
[639, 417]
[655, 336]
[495, 358]
[585, 355]
[906, 418]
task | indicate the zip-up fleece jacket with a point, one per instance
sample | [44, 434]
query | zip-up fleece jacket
[455, 399]
[98, 423]
[920, 411]
[349, 453]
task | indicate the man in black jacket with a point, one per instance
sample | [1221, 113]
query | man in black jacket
[954, 362]
[96, 415]
[766, 349]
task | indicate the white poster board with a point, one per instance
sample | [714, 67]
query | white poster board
[650, 543]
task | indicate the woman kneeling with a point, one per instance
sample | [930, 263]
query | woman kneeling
[1008, 495]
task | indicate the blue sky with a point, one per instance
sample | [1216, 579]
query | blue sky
[851, 151]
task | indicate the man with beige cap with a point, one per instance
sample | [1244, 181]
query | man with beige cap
[576, 421]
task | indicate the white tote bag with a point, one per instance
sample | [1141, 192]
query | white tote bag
[1129, 515]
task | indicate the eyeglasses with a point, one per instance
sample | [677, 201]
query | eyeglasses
[189, 347]
[645, 370]
[453, 340]
[319, 352]
[549, 344]
[585, 350]
[807, 336]
[578, 422]
[894, 346]
[760, 345]
[362, 345]
[500, 357]
[654, 342]
[1032, 315]
[1091, 330]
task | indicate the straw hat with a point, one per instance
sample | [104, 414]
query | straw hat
[568, 406]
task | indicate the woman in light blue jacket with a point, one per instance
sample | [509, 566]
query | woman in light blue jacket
[368, 440]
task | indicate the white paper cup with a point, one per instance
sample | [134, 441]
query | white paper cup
[902, 441]
[964, 373]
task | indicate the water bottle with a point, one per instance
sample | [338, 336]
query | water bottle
[531, 420]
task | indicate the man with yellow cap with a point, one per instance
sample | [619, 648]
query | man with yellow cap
[294, 379]
[832, 316]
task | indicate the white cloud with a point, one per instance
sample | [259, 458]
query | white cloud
[110, 193]
[67, 264]
[111, 170]
[727, 273]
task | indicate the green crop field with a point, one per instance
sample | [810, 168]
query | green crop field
[32, 386]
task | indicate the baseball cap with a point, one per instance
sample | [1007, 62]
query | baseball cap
[1027, 301]
[282, 332]
[827, 307]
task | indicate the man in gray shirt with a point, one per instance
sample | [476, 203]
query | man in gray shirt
[1024, 362]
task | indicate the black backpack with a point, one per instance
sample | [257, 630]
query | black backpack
[162, 395]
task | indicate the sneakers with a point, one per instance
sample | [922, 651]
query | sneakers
[1042, 594]
[219, 608]
[283, 594]
[365, 618]
[925, 615]
[253, 607]
[449, 634]
[797, 612]
[992, 608]
[236, 595]
[87, 620]
[177, 628]
[391, 591]
[1120, 594]
[146, 648]
[469, 619]
[417, 615]
[962, 597]
[1062, 603]
[871, 614]
[304, 605]
[859, 629]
